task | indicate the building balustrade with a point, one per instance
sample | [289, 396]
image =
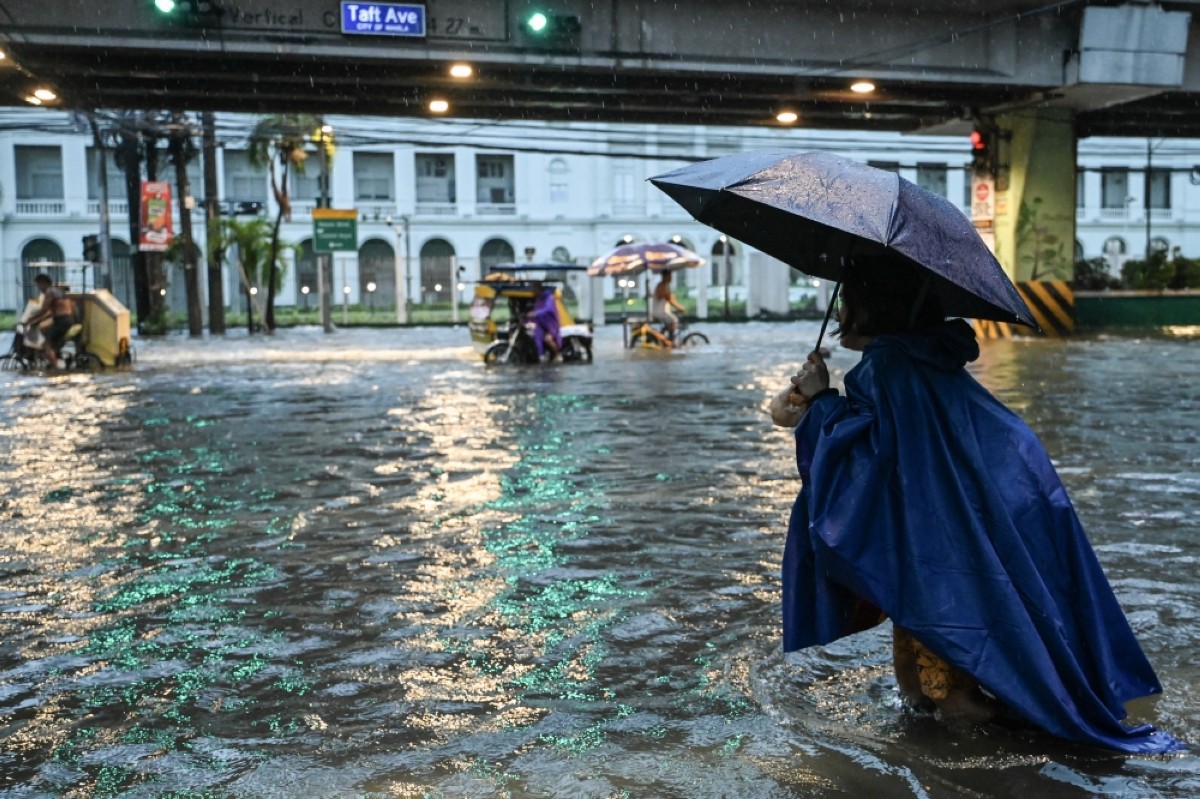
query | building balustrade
[41, 207]
[115, 208]
[436, 209]
[375, 212]
[496, 209]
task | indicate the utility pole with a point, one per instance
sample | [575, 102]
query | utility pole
[212, 217]
[128, 155]
[401, 269]
[728, 274]
[1146, 202]
[325, 259]
[156, 322]
[105, 265]
[181, 152]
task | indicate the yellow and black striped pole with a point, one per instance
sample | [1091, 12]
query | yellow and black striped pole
[1052, 303]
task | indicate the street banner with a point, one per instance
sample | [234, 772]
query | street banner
[156, 231]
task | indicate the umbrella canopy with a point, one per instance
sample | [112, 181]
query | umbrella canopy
[632, 259]
[812, 210]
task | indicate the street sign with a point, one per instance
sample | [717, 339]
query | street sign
[383, 19]
[983, 200]
[335, 229]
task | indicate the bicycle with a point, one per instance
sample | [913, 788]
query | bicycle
[640, 332]
[73, 355]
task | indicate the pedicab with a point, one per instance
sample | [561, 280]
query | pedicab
[503, 329]
[630, 260]
[98, 338]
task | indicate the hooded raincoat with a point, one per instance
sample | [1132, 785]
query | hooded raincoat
[544, 317]
[925, 497]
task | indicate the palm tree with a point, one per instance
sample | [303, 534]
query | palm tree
[259, 257]
[280, 138]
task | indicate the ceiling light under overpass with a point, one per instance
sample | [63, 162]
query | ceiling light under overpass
[862, 87]
[787, 117]
[44, 94]
[461, 70]
[165, 6]
[439, 106]
[33, 100]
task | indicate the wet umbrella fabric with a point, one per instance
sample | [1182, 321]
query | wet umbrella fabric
[812, 210]
[633, 259]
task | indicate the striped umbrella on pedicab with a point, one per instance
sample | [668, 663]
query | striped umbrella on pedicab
[633, 259]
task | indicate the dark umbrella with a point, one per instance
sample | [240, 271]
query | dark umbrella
[810, 210]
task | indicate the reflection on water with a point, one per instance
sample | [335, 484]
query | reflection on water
[364, 565]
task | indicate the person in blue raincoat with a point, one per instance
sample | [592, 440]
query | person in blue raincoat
[927, 501]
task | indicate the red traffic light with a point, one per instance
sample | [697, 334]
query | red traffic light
[978, 141]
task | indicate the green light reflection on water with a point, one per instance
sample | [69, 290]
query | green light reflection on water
[173, 627]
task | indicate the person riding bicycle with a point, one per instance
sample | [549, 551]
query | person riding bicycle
[56, 305]
[662, 303]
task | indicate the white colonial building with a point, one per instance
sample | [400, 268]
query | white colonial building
[438, 201]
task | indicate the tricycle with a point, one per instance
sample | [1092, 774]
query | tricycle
[534, 323]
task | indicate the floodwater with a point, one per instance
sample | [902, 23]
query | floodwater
[365, 565]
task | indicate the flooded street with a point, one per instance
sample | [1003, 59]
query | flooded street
[365, 565]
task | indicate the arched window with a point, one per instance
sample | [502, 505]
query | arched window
[1078, 250]
[717, 263]
[1160, 244]
[682, 242]
[377, 274]
[41, 251]
[38, 256]
[122, 274]
[437, 270]
[495, 251]
[561, 255]
[1114, 245]
[306, 271]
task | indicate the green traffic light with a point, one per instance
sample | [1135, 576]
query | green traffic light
[537, 22]
[165, 6]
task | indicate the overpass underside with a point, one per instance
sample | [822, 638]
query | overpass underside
[935, 63]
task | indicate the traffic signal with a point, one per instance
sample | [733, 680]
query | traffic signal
[551, 31]
[982, 153]
[91, 248]
[189, 10]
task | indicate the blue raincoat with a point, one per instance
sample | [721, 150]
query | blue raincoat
[928, 499]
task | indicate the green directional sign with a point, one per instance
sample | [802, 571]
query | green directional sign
[335, 229]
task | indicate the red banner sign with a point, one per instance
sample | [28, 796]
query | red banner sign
[156, 216]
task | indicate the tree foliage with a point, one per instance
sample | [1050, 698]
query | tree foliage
[284, 139]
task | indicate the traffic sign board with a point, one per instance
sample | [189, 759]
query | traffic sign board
[335, 229]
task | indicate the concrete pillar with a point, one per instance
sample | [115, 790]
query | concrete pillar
[702, 274]
[768, 281]
[1035, 195]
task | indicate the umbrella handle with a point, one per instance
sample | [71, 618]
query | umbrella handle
[828, 313]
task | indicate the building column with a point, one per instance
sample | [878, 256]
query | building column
[1034, 224]
[1035, 195]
